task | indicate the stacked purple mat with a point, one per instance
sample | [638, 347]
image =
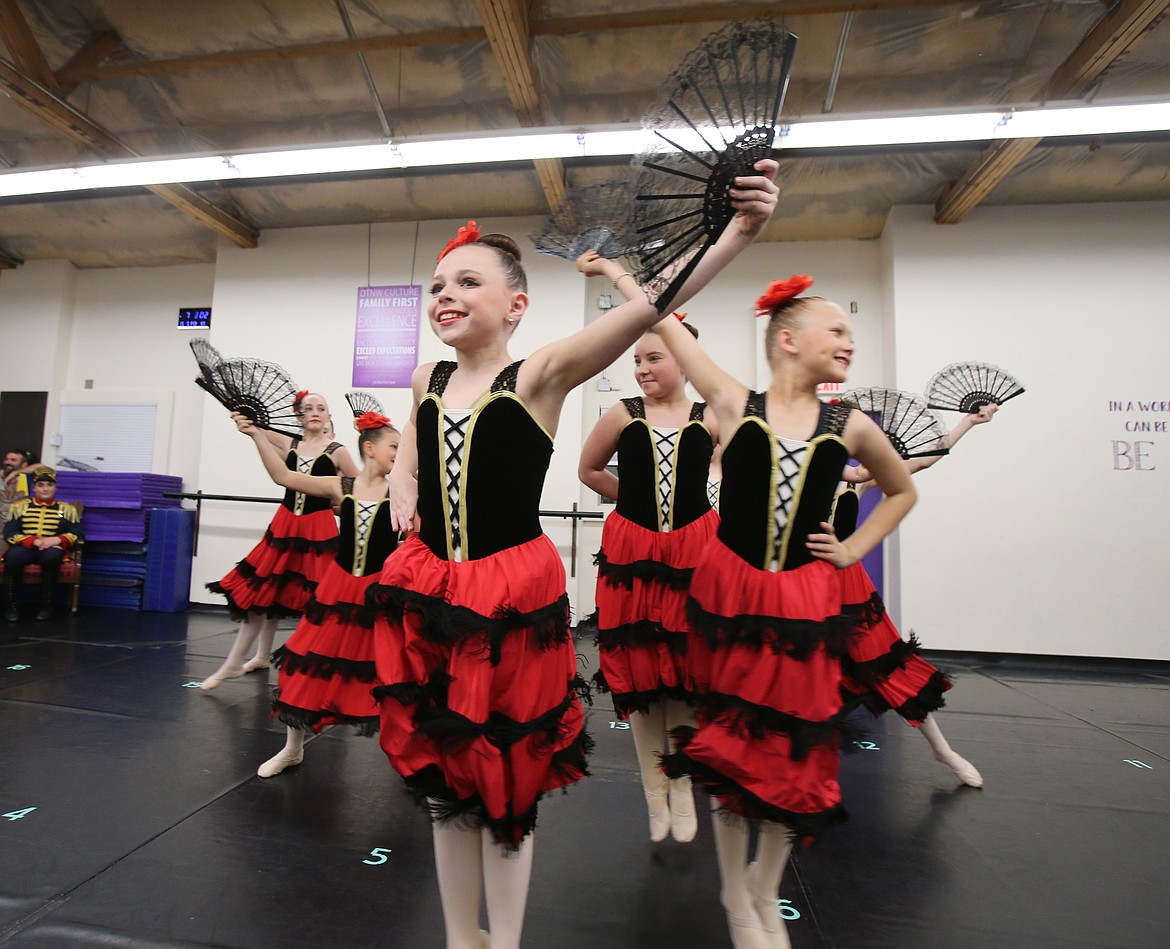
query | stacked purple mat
[117, 503]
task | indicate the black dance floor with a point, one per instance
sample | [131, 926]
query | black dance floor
[131, 816]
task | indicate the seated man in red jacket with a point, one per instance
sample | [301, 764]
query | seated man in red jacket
[39, 530]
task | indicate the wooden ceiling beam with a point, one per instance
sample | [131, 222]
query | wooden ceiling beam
[232, 59]
[75, 125]
[79, 73]
[23, 46]
[1115, 33]
[711, 13]
[99, 48]
[506, 24]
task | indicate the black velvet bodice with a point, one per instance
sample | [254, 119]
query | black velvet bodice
[380, 540]
[750, 493]
[322, 467]
[505, 457]
[638, 472]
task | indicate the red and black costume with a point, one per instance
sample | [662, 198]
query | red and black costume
[649, 547]
[479, 694]
[277, 576]
[772, 628]
[327, 667]
[882, 670]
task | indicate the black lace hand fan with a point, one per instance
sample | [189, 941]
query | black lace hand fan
[262, 391]
[969, 386]
[208, 357]
[715, 118]
[361, 402]
[595, 217]
[913, 429]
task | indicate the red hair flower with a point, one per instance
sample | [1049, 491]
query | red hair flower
[468, 234]
[681, 317]
[780, 291]
[368, 421]
[298, 399]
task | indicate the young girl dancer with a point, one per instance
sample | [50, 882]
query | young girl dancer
[883, 670]
[479, 709]
[327, 665]
[649, 547]
[766, 599]
[274, 580]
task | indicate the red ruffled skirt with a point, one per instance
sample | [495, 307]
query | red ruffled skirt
[327, 670]
[766, 664]
[881, 669]
[643, 634]
[479, 693]
[277, 576]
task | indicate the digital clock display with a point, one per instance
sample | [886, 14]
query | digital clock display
[194, 317]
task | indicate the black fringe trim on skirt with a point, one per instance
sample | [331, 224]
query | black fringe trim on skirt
[318, 666]
[351, 614]
[308, 720]
[642, 633]
[432, 692]
[758, 721]
[798, 638]
[738, 800]
[302, 545]
[652, 571]
[446, 625]
[272, 611]
[874, 670]
[869, 612]
[930, 698]
[428, 787]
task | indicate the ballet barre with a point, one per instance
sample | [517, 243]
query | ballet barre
[575, 515]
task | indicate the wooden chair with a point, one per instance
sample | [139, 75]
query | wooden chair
[70, 574]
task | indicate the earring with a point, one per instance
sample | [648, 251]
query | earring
[510, 320]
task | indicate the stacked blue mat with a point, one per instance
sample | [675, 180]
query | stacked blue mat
[117, 503]
[118, 508]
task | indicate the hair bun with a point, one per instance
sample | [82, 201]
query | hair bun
[501, 242]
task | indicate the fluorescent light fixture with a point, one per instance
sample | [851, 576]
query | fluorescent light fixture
[836, 132]
[491, 149]
[314, 161]
[893, 130]
[1086, 120]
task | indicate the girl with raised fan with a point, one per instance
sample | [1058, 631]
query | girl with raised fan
[480, 708]
[766, 598]
[327, 666]
[275, 579]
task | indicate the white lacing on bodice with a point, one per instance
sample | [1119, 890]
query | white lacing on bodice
[665, 441]
[790, 453]
[454, 436]
[364, 511]
[304, 466]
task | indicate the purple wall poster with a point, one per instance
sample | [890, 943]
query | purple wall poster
[385, 344]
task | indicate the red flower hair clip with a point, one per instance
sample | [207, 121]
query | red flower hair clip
[780, 291]
[681, 317]
[368, 421]
[468, 234]
[298, 399]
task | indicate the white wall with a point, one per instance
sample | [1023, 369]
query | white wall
[293, 300]
[1028, 538]
[125, 339]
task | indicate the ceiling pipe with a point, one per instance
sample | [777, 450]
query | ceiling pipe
[846, 23]
[365, 70]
